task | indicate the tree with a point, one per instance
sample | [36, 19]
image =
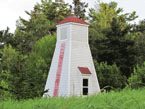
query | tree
[79, 9]
[109, 75]
[138, 34]
[102, 16]
[100, 19]
[140, 44]
[116, 48]
[55, 12]
[109, 37]
[11, 70]
[137, 79]
[36, 67]
[6, 38]
[42, 22]
[34, 30]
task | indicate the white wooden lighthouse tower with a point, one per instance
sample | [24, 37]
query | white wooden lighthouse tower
[72, 71]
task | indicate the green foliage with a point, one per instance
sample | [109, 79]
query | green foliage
[137, 79]
[45, 47]
[55, 12]
[43, 19]
[138, 35]
[126, 99]
[79, 9]
[110, 37]
[116, 48]
[107, 36]
[4, 95]
[36, 67]
[11, 69]
[109, 75]
[9, 58]
[33, 30]
[102, 15]
[6, 38]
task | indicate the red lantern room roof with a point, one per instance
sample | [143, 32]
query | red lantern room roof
[72, 19]
[84, 70]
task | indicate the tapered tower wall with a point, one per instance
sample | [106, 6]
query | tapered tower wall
[63, 89]
[81, 57]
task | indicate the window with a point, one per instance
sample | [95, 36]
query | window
[63, 33]
[85, 86]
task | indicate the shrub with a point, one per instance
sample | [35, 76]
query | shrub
[137, 79]
[109, 75]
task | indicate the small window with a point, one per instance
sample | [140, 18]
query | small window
[85, 86]
[63, 33]
[85, 82]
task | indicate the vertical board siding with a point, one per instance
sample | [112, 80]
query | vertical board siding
[59, 69]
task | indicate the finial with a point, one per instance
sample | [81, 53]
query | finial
[72, 10]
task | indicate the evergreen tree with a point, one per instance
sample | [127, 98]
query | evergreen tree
[11, 70]
[101, 17]
[36, 67]
[6, 38]
[109, 36]
[79, 9]
[42, 22]
[116, 48]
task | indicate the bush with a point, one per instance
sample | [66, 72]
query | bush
[36, 67]
[4, 95]
[11, 71]
[137, 79]
[109, 75]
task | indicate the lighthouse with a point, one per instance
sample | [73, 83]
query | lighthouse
[72, 71]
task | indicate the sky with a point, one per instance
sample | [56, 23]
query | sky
[11, 10]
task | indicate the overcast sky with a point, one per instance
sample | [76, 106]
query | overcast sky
[10, 10]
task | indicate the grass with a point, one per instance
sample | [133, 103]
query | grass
[126, 99]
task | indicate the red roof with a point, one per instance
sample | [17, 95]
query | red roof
[72, 19]
[84, 70]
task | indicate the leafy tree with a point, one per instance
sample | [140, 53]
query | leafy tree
[11, 70]
[4, 95]
[109, 75]
[79, 9]
[36, 67]
[137, 79]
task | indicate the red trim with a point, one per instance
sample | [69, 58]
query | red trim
[84, 70]
[72, 19]
[59, 69]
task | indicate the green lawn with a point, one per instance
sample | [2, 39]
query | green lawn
[126, 99]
